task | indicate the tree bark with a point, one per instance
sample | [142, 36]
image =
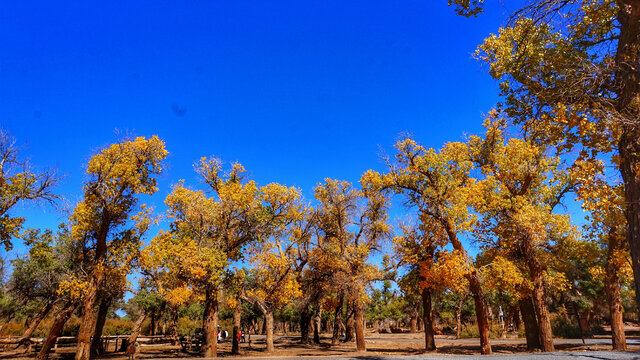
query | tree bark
[268, 318]
[317, 325]
[210, 323]
[481, 312]
[359, 320]
[530, 323]
[305, 320]
[135, 331]
[413, 324]
[459, 315]
[349, 330]
[89, 316]
[173, 327]
[337, 322]
[429, 336]
[627, 78]
[96, 342]
[56, 328]
[237, 316]
[538, 296]
[612, 289]
[33, 325]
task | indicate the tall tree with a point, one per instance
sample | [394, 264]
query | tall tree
[106, 221]
[570, 75]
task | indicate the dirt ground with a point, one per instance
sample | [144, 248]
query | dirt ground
[378, 345]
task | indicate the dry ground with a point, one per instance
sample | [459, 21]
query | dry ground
[378, 345]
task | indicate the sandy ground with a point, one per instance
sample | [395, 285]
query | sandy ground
[378, 346]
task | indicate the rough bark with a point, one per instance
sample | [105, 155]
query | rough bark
[627, 78]
[536, 271]
[56, 328]
[135, 331]
[317, 324]
[349, 328]
[359, 325]
[305, 320]
[481, 311]
[33, 325]
[96, 342]
[237, 315]
[337, 322]
[268, 318]
[530, 323]
[413, 324]
[459, 315]
[210, 323]
[89, 316]
[429, 336]
[612, 289]
[173, 327]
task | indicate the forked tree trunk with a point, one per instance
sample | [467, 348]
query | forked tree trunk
[429, 336]
[89, 316]
[359, 320]
[237, 315]
[56, 328]
[528, 313]
[337, 322]
[536, 272]
[96, 342]
[612, 288]
[210, 324]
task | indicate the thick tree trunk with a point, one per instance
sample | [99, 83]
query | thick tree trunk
[481, 311]
[268, 317]
[317, 325]
[413, 323]
[627, 78]
[33, 325]
[237, 317]
[173, 327]
[96, 342]
[528, 313]
[89, 316]
[210, 324]
[429, 336]
[305, 320]
[349, 330]
[56, 328]
[538, 296]
[337, 322]
[612, 288]
[359, 320]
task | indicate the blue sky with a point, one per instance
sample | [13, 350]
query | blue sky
[295, 90]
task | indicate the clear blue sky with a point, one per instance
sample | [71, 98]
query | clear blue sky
[295, 90]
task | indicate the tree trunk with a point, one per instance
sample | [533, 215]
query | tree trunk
[268, 317]
[612, 288]
[413, 324]
[96, 342]
[173, 328]
[459, 315]
[33, 325]
[481, 312]
[56, 328]
[528, 313]
[152, 324]
[429, 336]
[318, 324]
[237, 316]
[539, 302]
[305, 320]
[210, 324]
[89, 316]
[135, 331]
[337, 322]
[349, 330]
[359, 320]
[627, 78]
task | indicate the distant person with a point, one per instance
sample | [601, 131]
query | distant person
[131, 351]
[242, 336]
